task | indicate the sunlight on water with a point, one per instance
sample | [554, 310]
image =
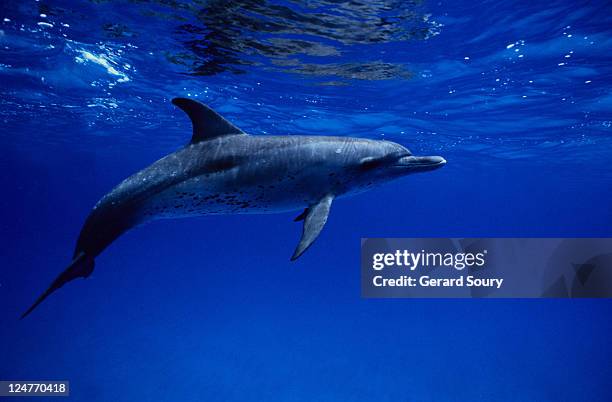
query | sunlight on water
[532, 83]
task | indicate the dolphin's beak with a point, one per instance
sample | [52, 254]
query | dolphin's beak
[420, 163]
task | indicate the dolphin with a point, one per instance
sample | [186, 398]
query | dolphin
[223, 170]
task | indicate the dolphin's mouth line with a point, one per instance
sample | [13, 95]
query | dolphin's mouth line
[420, 162]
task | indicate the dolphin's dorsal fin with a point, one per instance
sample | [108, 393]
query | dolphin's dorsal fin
[316, 216]
[207, 123]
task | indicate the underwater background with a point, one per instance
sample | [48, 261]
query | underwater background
[516, 95]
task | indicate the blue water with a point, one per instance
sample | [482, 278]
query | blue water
[517, 96]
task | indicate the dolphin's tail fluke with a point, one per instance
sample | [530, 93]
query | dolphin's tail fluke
[81, 267]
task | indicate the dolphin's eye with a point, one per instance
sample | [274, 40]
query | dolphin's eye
[370, 162]
[402, 154]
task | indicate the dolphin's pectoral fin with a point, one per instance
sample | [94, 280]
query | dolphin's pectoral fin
[81, 267]
[301, 216]
[207, 123]
[314, 220]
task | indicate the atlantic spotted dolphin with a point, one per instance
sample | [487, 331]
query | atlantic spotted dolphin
[222, 170]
